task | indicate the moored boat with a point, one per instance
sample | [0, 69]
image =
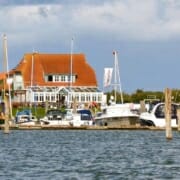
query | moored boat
[117, 115]
[156, 115]
[25, 117]
[56, 117]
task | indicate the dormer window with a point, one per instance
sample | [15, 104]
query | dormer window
[56, 78]
[50, 78]
[61, 78]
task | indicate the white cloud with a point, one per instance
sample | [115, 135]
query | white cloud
[122, 19]
[140, 20]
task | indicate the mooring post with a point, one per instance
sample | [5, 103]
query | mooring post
[6, 125]
[74, 105]
[46, 106]
[168, 113]
[178, 118]
[142, 107]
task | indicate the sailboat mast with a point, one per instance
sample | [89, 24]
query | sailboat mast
[6, 68]
[115, 77]
[117, 74]
[32, 69]
[71, 68]
[69, 98]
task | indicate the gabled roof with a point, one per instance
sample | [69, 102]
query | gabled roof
[3, 81]
[51, 64]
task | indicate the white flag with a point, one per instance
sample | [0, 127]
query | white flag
[107, 76]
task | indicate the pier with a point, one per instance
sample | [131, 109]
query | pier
[52, 127]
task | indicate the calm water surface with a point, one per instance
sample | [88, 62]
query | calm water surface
[77, 154]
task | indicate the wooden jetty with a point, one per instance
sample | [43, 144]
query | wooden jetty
[57, 127]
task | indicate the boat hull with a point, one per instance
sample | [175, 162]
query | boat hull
[117, 121]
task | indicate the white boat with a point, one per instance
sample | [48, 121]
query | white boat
[83, 117]
[117, 115]
[156, 116]
[25, 117]
[56, 117]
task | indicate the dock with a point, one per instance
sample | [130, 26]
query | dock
[57, 127]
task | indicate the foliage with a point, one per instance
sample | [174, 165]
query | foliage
[140, 94]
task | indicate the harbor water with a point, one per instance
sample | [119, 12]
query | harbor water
[88, 155]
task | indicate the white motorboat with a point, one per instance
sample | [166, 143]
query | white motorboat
[156, 116]
[83, 117]
[56, 117]
[117, 115]
[25, 117]
[68, 118]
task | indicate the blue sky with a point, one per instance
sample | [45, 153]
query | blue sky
[146, 34]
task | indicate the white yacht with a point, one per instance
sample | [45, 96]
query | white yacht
[117, 115]
[156, 116]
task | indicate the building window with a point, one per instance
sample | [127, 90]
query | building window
[35, 97]
[82, 97]
[50, 78]
[94, 97]
[77, 97]
[69, 78]
[99, 98]
[41, 98]
[52, 97]
[88, 98]
[66, 79]
[63, 78]
[56, 78]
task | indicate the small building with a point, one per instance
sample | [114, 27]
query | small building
[54, 78]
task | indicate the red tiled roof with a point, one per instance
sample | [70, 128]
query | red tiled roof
[3, 83]
[45, 64]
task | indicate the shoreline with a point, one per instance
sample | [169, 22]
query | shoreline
[51, 127]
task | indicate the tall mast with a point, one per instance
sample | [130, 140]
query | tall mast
[117, 82]
[32, 69]
[6, 69]
[69, 98]
[71, 65]
[115, 76]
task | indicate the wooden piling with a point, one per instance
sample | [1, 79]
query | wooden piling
[168, 113]
[46, 106]
[74, 105]
[6, 126]
[142, 107]
[178, 118]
